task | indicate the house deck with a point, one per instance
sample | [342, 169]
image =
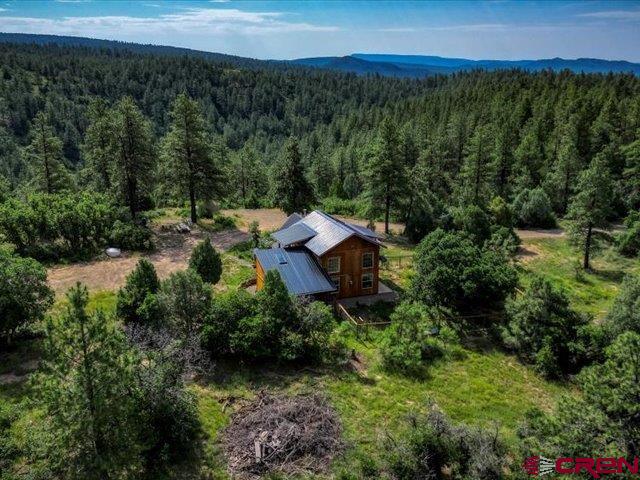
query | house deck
[385, 294]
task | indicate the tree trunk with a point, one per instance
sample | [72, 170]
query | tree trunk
[192, 200]
[587, 247]
[387, 208]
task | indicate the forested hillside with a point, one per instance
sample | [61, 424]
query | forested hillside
[502, 131]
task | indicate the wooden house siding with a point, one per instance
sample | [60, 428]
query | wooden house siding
[350, 253]
[259, 276]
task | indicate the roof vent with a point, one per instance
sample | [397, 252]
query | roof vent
[281, 258]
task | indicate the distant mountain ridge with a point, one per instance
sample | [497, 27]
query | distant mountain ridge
[424, 65]
[410, 66]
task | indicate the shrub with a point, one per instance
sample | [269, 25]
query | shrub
[501, 212]
[133, 304]
[410, 341]
[624, 314]
[129, 236]
[270, 324]
[185, 301]
[453, 272]
[206, 262]
[207, 209]
[629, 241]
[544, 331]
[432, 444]
[474, 222]
[420, 223]
[340, 206]
[24, 294]
[533, 209]
[503, 240]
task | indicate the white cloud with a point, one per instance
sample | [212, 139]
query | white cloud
[209, 21]
[614, 14]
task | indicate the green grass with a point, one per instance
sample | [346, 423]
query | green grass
[471, 386]
[590, 292]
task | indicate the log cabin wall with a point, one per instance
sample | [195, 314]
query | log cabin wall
[259, 276]
[351, 272]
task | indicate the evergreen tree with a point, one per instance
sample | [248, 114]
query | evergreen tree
[476, 173]
[291, 190]
[96, 144]
[385, 174]
[590, 206]
[206, 262]
[503, 160]
[131, 146]
[85, 391]
[251, 176]
[631, 175]
[44, 155]
[561, 181]
[187, 153]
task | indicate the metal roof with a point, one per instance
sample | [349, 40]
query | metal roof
[294, 234]
[298, 269]
[330, 232]
[291, 219]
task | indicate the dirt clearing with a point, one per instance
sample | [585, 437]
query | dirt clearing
[172, 254]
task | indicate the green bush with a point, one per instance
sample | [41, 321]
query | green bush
[543, 329]
[133, 304]
[270, 324]
[185, 301]
[432, 445]
[453, 272]
[533, 209]
[503, 240]
[474, 222]
[624, 314]
[206, 262]
[129, 236]
[25, 296]
[57, 225]
[629, 240]
[410, 342]
[206, 209]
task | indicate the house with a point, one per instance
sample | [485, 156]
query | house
[322, 256]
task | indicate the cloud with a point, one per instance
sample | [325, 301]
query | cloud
[613, 14]
[219, 1]
[209, 21]
[72, 1]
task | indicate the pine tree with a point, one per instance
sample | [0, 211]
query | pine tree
[632, 174]
[590, 206]
[385, 174]
[85, 391]
[251, 176]
[44, 154]
[476, 173]
[291, 190]
[188, 154]
[96, 144]
[561, 180]
[131, 145]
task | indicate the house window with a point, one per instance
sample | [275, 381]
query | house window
[333, 265]
[367, 280]
[336, 282]
[367, 260]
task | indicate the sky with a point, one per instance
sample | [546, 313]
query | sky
[490, 29]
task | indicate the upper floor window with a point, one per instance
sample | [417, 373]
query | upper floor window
[367, 280]
[333, 265]
[367, 260]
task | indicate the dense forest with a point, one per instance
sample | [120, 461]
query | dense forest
[95, 142]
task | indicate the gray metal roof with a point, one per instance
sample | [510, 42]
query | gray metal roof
[291, 219]
[294, 234]
[298, 269]
[331, 232]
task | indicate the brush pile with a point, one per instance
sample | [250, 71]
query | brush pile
[287, 434]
